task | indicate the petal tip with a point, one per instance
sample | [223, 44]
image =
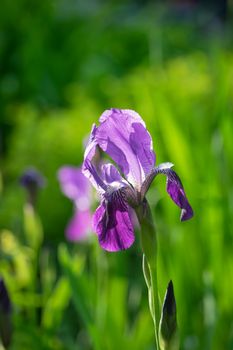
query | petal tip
[186, 214]
[111, 248]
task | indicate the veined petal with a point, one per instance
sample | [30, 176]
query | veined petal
[113, 225]
[161, 168]
[116, 182]
[91, 145]
[79, 226]
[177, 194]
[123, 136]
[141, 144]
[88, 168]
[75, 186]
[175, 190]
[112, 177]
[134, 115]
[91, 172]
[110, 173]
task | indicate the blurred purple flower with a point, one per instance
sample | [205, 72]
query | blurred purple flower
[122, 134]
[77, 188]
[32, 180]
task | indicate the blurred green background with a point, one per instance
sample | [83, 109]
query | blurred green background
[62, 63]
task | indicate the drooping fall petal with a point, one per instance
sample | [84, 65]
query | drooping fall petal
[113, 225]
[175, 190]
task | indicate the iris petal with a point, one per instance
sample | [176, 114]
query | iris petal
[175, 190]
[177, 194]
[110, 173]
[123, 136]
[113, 225]
[88, 168]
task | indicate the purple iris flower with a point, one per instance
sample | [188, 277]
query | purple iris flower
[76, 187]
[122, 134]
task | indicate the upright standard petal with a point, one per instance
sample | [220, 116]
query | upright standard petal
[88, 168]
[110, 173]
[113, 225]
[79, 226]
[123, 136]
[112, 178]
[175, 190]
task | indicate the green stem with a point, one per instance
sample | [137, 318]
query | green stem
[149, 247]
[154, 288]
[101, 286]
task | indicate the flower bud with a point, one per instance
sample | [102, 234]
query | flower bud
[32, 180]
[168, 331]
[5, 315]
